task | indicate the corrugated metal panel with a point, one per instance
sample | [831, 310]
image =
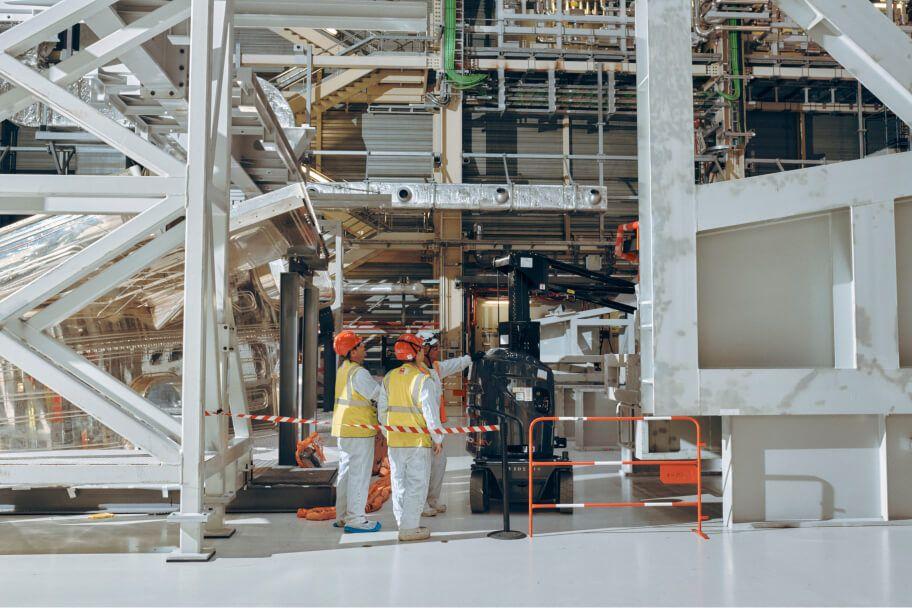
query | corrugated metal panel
[511, 134]
[358, 130]
[255, 40]
[832, 136]
[33, 162]
[518, 134]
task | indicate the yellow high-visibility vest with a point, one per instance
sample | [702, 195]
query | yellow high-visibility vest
[403, 387]
[351, 406]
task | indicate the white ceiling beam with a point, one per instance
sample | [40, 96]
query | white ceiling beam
[65, 205]
[803, 191]
[87, 260]
[90, 119]
[124, 186]
[392, 61]
[101, 52]
[48, 23]
[865, 42]
[373, 15]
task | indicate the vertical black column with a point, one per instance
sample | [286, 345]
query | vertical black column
[327, 331]
[289, 296]
[518, 294]
[310, 351]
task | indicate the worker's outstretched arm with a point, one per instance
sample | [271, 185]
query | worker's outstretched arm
[452, 366]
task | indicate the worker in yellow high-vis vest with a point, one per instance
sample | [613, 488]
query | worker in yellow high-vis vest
[440, 370]
[355, 389]
[407, 399]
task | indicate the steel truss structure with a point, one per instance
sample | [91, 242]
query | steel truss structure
[184, 200]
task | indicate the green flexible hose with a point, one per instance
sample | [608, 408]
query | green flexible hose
[460, 81]
[735, 65]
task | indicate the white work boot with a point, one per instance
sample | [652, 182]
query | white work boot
[429, 511]
[437, 507]
[440, 507]
[410, 534]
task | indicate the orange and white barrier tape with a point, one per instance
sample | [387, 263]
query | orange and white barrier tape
[449, 430]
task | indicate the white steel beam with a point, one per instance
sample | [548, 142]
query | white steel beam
[864, 41]
[874, 274]
[47, 24]
[108, 279]
[668, 240]
[57, 205]
[102, 52]
[803, 191]
[372, 15]
[100, 186]
[77, 392]
[395, 61]
[90, 119]
[98, 470]
[197, 266]
[102, 382]
[87, 260]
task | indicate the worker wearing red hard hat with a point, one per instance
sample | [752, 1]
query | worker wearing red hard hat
[440, 370]
[409, 398]
[355, 390]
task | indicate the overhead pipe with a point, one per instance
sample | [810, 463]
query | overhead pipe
[413, 289]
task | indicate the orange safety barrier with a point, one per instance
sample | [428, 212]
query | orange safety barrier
[670, 472]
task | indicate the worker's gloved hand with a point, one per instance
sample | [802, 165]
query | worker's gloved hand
[477, 356]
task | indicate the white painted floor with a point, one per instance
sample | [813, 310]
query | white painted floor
[594, 557]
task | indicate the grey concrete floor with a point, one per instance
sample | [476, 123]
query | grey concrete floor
[593, 557]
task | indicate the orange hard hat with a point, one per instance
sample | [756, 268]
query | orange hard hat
[345, 342]
[407, 346]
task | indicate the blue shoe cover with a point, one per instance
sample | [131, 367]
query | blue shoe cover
[353, 530]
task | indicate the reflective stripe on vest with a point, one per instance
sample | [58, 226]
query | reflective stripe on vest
[403, 391]
[351, 407]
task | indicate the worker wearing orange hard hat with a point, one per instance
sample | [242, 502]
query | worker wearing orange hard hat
[409, 398]
[355, 390]
[440, 370]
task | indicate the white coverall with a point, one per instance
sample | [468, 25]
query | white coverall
[410, 468]
[356, 461]
[438, 467]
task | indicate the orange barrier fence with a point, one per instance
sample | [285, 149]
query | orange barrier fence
[675, 471]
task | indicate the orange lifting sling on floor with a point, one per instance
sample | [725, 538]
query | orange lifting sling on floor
[696, 464]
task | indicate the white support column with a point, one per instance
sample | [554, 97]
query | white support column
[668, 281]
[728, 467]
[198, 252]
[874, 269]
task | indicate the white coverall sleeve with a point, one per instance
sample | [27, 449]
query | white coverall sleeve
[430, 406]
[365, 384]
[452, 366]
[382, 406]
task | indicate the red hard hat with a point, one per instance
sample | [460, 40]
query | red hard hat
[345, 342]
[407, 346]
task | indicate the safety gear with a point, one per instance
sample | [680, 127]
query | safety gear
[356, 457]
[410, 468]
[351, 406]
[407, 346]
[435, 482]
[345, 342]
[429, 512]
[414, 534]
[371, 526]
[430, 338]
[477, 356]
[403, 387]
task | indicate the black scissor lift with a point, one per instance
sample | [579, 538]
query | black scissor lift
[510, 386]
